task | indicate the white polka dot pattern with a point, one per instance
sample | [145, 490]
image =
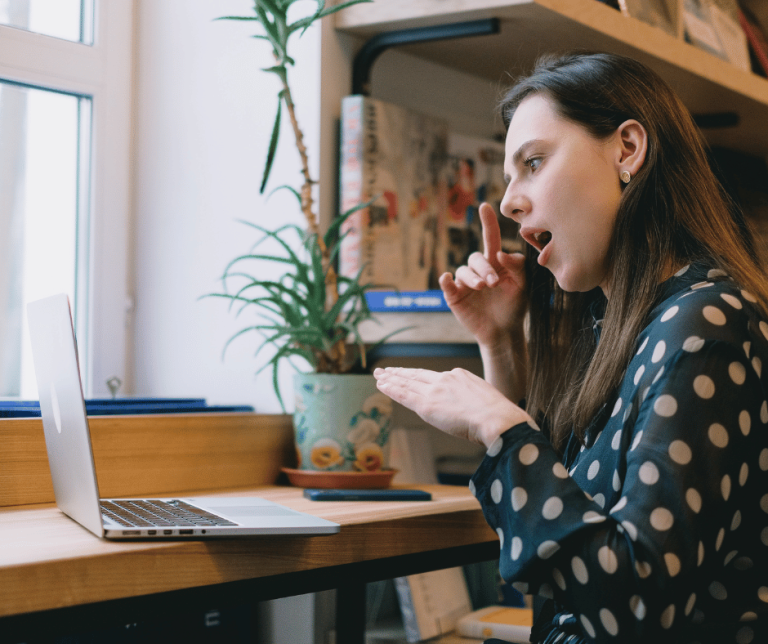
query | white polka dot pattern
[519, 499]
[704, 386]
[693, 498]
[668, 616]
[608, 560]
[529, 454]
[679, 452]
[693, 344]
[496, 491]
[665, 406]
[609, 622]
[649, 473]
[714, 315]
[673, 564]
[553, 508]
[668, 485]
[495, 447]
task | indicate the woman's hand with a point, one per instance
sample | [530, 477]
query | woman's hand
[487, 296]
[457, 402]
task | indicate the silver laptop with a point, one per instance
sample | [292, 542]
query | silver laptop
[68, 441]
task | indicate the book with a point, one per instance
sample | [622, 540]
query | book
[426, 184]
[402, 301]
[395, 157]
[411, 454]
[501, 622]
[758, 43]
[699, 30]
[653, 12]
[122, 406]
[475, 175]
[432, 603]
[724, 16]
[758, 10]
[716, 26]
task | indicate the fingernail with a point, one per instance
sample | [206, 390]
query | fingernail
[491, 279]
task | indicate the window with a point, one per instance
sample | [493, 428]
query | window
[65, 88]
[67, 19]
[44, 157]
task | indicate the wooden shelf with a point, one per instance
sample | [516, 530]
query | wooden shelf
[706, 83]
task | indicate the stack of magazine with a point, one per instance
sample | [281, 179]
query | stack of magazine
[426, 184]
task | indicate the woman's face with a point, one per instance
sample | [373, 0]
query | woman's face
[563, 188]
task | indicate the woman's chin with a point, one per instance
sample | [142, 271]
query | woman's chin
[574, 282]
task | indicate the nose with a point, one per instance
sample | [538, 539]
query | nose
[514, 204]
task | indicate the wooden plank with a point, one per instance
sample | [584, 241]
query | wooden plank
[148, 454]
[48, 561]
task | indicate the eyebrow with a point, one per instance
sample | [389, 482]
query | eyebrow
[520, 153]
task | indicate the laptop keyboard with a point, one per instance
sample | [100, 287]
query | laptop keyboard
[161, 514]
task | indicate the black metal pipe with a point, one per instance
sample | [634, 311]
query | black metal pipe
[361, 66]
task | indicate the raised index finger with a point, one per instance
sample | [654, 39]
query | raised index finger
[491, 233]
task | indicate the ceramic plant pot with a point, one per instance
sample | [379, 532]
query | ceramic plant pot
[341, 423]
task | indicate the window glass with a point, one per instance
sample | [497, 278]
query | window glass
[44, 159]
[66, 19]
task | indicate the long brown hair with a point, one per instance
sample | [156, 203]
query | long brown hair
[673, 212]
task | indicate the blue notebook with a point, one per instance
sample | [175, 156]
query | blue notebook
[121, 406]
[406, 301]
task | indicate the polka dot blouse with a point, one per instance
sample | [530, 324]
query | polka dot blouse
[657, 529]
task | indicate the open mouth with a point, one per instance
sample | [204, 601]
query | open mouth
[542, 239]
[538, 238]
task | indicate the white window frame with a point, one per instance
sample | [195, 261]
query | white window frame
[104, 72]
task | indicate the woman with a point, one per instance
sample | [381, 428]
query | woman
[641, 508]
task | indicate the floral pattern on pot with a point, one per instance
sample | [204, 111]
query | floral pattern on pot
[326, 454]
[369, 458]
[341, 423]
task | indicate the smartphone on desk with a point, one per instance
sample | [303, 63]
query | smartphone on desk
[366, 495]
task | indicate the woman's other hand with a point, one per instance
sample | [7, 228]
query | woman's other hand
[456, 402]
[487, 295]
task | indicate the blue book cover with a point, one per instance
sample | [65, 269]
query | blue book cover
[407, 301]
[122, 406]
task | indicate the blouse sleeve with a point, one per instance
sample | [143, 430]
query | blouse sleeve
[688, 482]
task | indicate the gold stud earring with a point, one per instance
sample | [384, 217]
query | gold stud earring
[625, 176]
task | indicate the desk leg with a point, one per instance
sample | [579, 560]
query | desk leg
[350, 614]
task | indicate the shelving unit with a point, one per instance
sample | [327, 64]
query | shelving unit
[709, 86]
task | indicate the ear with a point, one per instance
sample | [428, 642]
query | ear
[632, 145]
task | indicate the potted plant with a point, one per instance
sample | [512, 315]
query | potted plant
[310, 312]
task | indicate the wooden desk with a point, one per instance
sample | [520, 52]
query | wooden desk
[54, 574]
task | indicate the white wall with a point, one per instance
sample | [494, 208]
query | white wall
[204, 116]
[204, 113]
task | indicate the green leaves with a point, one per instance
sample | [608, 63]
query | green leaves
[291, 308]
[272, 143]
[272, 15]
[309, 312]
[321, 12]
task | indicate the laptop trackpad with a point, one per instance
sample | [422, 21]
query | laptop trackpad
[252, 511]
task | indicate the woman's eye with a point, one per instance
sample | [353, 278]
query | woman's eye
[533, 163]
